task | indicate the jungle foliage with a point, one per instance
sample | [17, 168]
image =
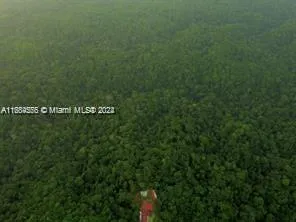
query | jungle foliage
[205, 99]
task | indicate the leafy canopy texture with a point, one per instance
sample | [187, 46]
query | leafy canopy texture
[205, 100]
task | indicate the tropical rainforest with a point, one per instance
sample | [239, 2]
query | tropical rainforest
[205, 109]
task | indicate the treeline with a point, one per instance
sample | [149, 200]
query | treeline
[204, 94]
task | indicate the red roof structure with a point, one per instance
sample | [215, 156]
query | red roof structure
[147, 200]
[146, 211]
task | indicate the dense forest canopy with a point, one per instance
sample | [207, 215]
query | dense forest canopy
[205, 100]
